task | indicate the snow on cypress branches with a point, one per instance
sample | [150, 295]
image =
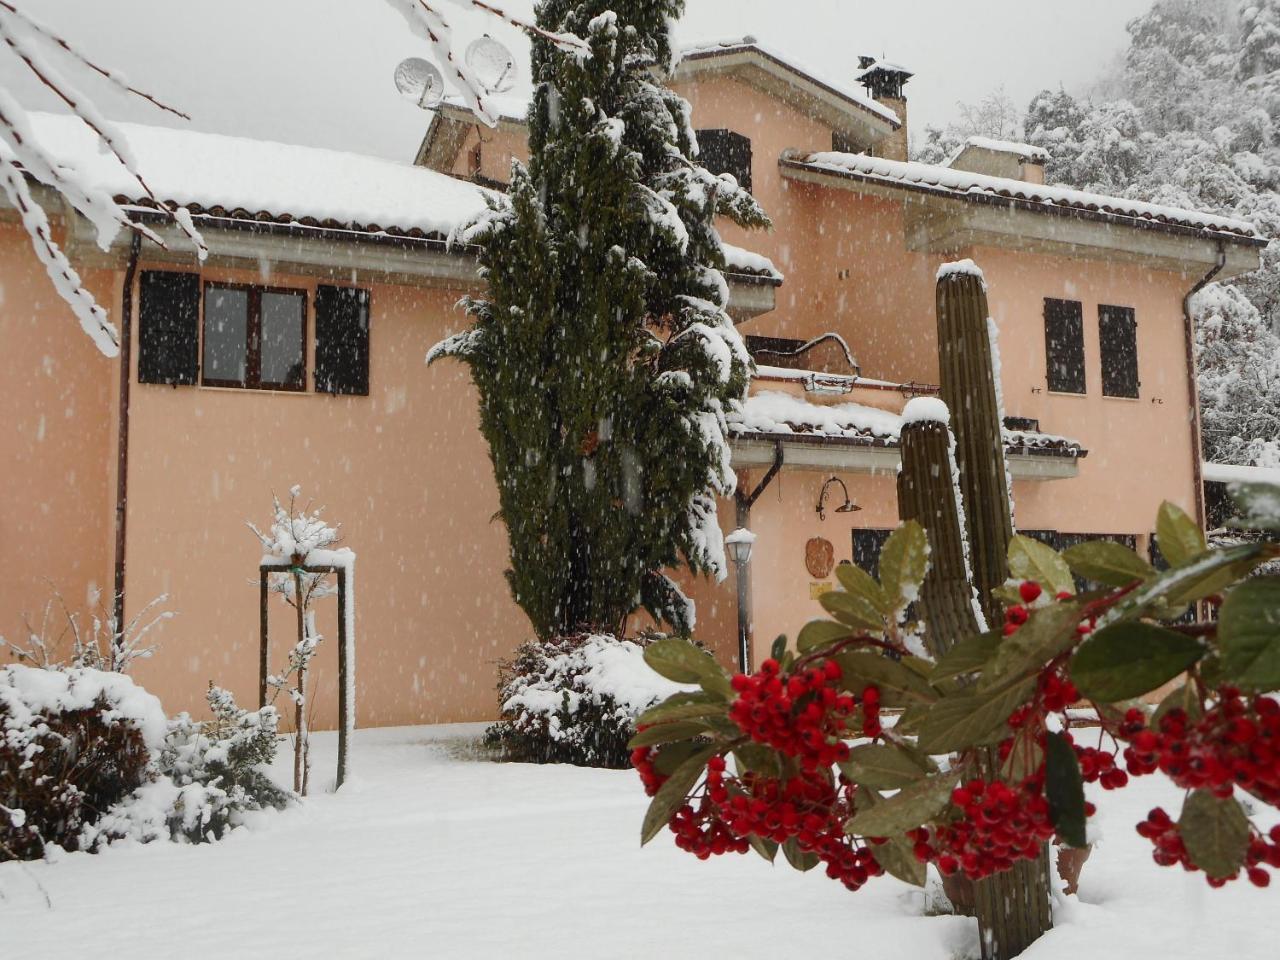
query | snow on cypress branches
[605, 361]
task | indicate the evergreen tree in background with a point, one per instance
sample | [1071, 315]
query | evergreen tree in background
[602, 353]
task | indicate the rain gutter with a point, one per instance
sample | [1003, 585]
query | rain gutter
[122, 438]
[1193, 387]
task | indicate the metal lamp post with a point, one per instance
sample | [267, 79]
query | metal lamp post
[739, 545]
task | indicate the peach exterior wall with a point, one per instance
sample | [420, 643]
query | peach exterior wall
[56, 448]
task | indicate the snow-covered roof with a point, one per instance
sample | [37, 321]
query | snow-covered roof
[774, 414]
[745, 262]
[1024, 150]
[961, 183]
[849, 89]
[263, 181]
[1231, 473]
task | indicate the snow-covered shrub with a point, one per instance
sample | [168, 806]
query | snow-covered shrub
[575, 700]
[208, 775]
[73, 743]
[101, 645]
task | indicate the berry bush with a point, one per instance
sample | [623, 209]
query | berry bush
[985, 761]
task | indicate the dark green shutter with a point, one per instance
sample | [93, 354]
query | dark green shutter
[342, 341]
[723, 151]
[1118, 339]
[1064, 345]
[866, 549]
[168, 327]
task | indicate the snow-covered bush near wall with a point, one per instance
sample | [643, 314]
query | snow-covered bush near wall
[72, 743]
[575, 700]
[208, 776]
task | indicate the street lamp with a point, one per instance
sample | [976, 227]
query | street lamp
[739, 545]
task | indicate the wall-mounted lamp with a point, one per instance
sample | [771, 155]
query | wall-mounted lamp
[739, 545]
[847, 507]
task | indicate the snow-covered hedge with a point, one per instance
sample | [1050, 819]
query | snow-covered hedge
[88, 757]
[575, 700]
[73, 743]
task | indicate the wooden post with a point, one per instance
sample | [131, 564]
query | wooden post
[300, 716]
[925, 494]
[344, 667]
[1013, 906]
[263, 642]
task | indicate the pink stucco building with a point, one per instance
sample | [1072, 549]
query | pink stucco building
[295, 355]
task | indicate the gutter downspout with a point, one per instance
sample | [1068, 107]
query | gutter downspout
[744, 503]
[122, 441]
[1193, 386]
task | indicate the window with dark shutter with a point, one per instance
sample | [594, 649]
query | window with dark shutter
[866, 549]
[1064, 345]
[254, 337]
[342, 341]
[724, 151]
[1118, 340]
[168, 327]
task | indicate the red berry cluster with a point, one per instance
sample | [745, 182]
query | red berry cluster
[1002, 824]
[642, 759]
[1235, 743]
[810, 808]
[700, 830]
[803, 715]
[1099, 766]
[1170, 851]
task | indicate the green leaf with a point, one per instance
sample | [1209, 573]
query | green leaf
[1064, 789]
[904, 561]
[852, 610]
[766, 848]
[1049, 632]
[1249, 635]
[680, 661]
[885, 767]
[897, 683]
[1105, 561]
[799, 859]
[682, 706]
[1128, 660]
[898, 858]
[969, 718]
[672, 794]
[1184, 698]
[820, 633]
[757, 758]
[857, 581]
[1208, 575]
[967, 656]
[1259, 505]
[907, 809]
[1032, 560]
[779, 648]
[667, 733]
[1180, 538]
[671, 755]
[1215, 832]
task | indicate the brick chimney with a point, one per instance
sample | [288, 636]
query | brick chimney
[885, 82]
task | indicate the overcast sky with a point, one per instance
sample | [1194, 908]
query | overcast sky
[319, 71]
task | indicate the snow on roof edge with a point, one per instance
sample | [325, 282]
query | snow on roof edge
[963, 183]
[1236, 473]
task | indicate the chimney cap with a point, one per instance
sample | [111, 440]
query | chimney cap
[882, 78]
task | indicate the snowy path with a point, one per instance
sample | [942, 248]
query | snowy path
[423, 855]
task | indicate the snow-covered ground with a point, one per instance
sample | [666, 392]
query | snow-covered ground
[427, 853]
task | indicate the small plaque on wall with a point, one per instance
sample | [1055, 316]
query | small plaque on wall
[819, 558]
[816, 590]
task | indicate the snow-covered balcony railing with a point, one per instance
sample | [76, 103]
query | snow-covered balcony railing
[863, 437]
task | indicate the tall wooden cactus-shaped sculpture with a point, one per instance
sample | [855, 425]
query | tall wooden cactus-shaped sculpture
[954, 483]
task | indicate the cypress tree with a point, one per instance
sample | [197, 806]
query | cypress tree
[602, 353]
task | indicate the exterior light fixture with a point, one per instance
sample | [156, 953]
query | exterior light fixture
[739, 545]
[847, 507]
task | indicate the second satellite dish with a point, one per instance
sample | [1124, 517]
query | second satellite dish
[420, 81]
[492, 65]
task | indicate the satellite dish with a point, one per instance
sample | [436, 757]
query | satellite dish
[492, 64]
[420, 81]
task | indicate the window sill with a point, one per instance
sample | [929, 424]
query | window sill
[256, 391]
[1126, 399]
[1064, 393]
